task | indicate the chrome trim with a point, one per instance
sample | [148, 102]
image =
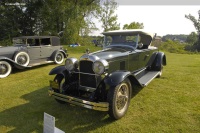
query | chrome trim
[86, 73]
[74, 61]
[86, 88]
[105, 64]
[89, 57]
[101, 106]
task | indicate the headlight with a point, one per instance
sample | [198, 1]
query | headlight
[71, 64]
[100, 66]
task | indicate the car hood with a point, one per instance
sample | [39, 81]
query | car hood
[5, 51]
[109, 54]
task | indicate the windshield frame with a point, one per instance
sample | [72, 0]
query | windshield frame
[121, 40]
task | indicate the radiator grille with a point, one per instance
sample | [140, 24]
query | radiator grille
[86, 67]
[86, 79]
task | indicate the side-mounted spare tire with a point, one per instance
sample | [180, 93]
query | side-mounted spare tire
[5, 69]
[59, 58]
[21, 58]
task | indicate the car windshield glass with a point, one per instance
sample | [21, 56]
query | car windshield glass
[126, 40]
[19, 41]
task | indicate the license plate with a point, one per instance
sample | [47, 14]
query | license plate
[54, 84]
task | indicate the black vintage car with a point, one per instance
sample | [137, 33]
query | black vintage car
[104, 80]
[29, 51]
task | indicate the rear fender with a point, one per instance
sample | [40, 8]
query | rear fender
[159, 61]
[56, 51]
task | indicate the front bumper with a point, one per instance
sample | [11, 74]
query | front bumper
[100, 106]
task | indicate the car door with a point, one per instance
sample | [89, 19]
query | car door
[144, 56]
[34, 49]
[46, 48]
[133, 61]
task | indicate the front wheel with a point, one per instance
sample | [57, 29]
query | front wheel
[59, 58]
[5, 69]
[119, 99]
[61, 81]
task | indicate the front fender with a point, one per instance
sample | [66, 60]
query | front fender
[12, 62]
[57, 70]
[115, 78]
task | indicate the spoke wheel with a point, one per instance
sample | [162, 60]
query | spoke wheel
[5, 69]
[119, 99]
[59, 58]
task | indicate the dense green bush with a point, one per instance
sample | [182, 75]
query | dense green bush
[174, 47]
[6, 42]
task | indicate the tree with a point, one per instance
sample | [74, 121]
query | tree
[107, 16]
[48, 17]
[196, 23]
[133, 25]
[192, 38]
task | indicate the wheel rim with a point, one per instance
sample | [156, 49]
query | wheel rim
[122, 97]
[59, 58]
[22, 59]
[61, 85]
[5, 69]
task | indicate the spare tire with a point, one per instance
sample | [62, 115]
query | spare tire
[22, 58]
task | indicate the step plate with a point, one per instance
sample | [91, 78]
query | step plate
[148, 77]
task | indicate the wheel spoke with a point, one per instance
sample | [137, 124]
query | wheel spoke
[122, 97]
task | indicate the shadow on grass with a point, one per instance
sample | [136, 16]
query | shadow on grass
[28, 117]
[15, 70]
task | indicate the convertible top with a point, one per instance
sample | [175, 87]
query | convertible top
[129, 31]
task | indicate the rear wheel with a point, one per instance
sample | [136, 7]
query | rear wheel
[119, 99]
[59, 58]
[5, 69]
[161, 71]
[61, 81]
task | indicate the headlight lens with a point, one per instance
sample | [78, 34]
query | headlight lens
[71, 64]
[100, 66]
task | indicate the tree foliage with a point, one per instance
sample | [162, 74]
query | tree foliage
[196, 23]
[192, 38]
[133, 25]
[107, 16]
[72, 18]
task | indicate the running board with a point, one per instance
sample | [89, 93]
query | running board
[148, 77]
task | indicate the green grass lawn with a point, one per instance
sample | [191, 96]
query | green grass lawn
[168, 104]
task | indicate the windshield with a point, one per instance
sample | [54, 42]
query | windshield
[19, 41]
[126, 40]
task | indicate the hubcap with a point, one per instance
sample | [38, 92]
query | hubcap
[122, 97]
[3, 69]
[58, 57]
[21, 59]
